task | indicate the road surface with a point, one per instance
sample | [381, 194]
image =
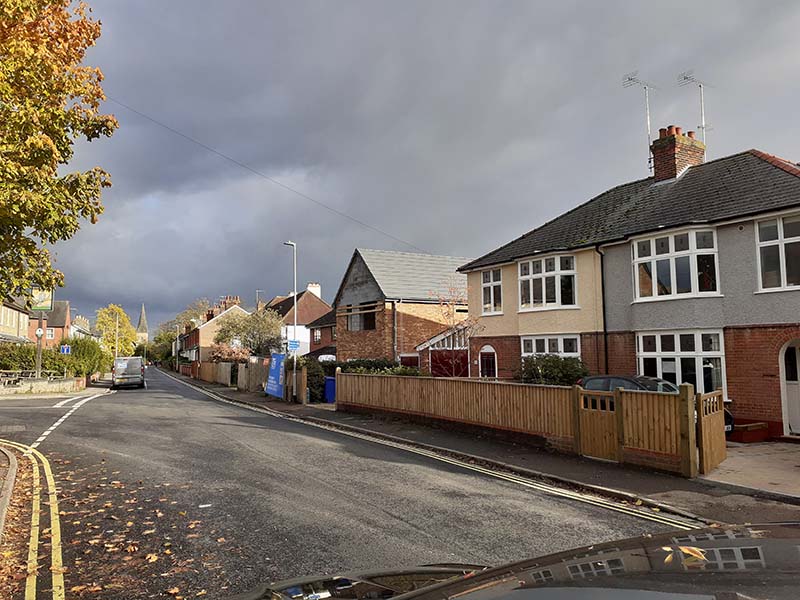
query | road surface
[166, 492]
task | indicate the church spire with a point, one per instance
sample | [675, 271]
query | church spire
[141, 328]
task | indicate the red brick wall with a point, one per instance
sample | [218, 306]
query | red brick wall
[593, 352]
[375, 343]
[326, 338]
[752, 365]
[622, 353]
[507, 349]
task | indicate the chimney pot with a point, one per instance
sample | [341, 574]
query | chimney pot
[671, 130]
[662, 133]
[678, 131]
[690, 134]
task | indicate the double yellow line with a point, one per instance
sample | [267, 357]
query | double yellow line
[56, 562]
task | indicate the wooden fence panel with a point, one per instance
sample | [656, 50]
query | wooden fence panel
[711, 431]
[206, 372]
[651, 421]
[539, 410]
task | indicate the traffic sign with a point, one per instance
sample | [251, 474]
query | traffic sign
[294, 345]
[66, 349]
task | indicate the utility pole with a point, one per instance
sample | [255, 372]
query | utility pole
[116, 337]
[294, 329]
[177, 350]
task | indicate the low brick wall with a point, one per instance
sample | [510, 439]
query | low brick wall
[43, 386]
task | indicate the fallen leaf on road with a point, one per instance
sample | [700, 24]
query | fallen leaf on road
[173, 591]
[151, 558]
[148, 532]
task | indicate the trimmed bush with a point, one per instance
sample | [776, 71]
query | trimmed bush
[550, 369]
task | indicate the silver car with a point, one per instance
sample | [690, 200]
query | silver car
[127, 370]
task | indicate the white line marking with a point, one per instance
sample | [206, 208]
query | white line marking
[598, 501]
[69, 413]
[65, 402]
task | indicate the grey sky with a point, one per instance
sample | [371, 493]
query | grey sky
[456, 126]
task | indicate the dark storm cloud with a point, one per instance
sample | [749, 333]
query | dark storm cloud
[453, 125]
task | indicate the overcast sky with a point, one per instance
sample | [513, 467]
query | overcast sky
[453, 126]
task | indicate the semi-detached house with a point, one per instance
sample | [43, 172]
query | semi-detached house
[692, 275]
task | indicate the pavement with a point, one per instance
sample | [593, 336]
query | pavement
[767, 466]
[737, 493]
[166, 492]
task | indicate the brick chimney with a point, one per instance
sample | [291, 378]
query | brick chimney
[674, 152]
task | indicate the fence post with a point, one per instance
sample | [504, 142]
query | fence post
[302, 385]
[701, 438]
[337, 389]
[620, 423]
[687, 427]
[576, 418]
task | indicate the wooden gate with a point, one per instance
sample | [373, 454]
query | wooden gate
[710, 431]
[598, 425]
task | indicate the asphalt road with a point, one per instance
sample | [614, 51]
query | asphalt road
[165, 492]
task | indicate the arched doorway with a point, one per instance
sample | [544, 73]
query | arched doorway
[487, 362]
[790, 387]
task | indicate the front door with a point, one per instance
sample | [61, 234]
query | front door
[488, 364]
[792, 383]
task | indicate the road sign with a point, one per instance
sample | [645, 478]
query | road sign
[39, 332]
[294, 345]
[66, 349]
[41, 300]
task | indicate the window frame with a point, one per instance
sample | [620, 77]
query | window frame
[780, 242]
[490, 285]
[672, 255]
[698, 354]
[559, 336]
[316, 336]
[557, 273]
[50, 333]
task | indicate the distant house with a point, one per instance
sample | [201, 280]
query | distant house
[81, 328]
[310, 307]
[323, 335]
[56, 324]
[195, 343]
[14, 322]
[389, 302]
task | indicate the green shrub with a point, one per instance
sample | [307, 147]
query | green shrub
[359, 365]
[550, 369]
[87, 357]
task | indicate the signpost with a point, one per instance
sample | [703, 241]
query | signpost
[274, 385]
[65, 349]
[293, 345]
[41, 301]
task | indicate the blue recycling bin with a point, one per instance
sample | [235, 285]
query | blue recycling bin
[330, 390]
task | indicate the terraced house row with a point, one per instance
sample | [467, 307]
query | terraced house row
[692, 275]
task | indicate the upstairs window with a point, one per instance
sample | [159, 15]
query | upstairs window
[547, 283]
[492, 292]
[676, 265]
[317, 336]
[779, 253]
[361, 317]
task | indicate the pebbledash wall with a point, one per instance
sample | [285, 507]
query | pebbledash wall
[756, 325]
[503, 332]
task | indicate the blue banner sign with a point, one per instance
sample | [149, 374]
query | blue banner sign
[274, 385]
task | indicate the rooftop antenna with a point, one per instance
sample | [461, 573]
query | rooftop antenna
[629, 80]
[688, 78]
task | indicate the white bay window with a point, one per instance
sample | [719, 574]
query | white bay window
[779, 253]
[696, 357]
[676, 265]
[568, 346]
[547, 283]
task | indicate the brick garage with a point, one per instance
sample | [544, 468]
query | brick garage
[752, 364]
[508, 354]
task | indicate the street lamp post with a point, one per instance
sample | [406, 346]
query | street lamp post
[177, 349]
[116, 337]
[294, 329]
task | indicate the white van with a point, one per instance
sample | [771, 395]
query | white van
[127, 370]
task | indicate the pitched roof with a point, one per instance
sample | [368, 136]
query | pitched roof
[412, 276]
[324, 351]
[142, 326]
[739, 185]
[326, 320]
[309, 307]
[58, 316]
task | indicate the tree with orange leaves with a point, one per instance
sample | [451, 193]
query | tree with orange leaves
[48, 100]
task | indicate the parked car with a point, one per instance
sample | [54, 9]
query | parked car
[127, 370]
[753, 561]
[606, 383]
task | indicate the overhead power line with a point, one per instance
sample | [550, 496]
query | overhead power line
[247, 167]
